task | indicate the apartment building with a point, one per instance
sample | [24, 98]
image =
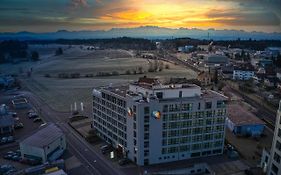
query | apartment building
[243, 72]
[151, 122]
[271, 160]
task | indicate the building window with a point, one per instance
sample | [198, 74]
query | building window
[146, 144]
[195, 154]
[279, 133]
[180, 94]
[146, 153]
[208, 105]
[165, 108]
[276, 157]
[220, 104]
[159, 95]
[146, 110]
[278, 145]
[146, 136]
[146, 119]
[146, 127]
[274, 168]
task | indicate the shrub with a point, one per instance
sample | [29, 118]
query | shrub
[115, 73]
[63, 75]
[128, 72]
[75, 75]
[47, 75]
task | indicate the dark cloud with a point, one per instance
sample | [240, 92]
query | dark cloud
[255, 18]
[78, 3]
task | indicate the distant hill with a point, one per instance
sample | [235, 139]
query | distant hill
[148, 32]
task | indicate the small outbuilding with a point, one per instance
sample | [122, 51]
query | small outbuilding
[46, 144]
[243, 123]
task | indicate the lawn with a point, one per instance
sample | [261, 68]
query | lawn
[61, 93]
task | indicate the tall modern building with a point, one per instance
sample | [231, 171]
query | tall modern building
[271, 161]
[151, 122]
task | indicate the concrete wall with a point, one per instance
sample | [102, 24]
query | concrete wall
[32, 151]
[60, 142]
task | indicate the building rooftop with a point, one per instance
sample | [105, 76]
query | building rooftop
[216, 59]
[244, 67]
[239, 116]
[43, 136]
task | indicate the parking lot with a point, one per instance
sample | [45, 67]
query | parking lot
[24, 126]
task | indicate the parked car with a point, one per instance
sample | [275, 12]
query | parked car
[33, 115]
[18, 125]
[123, 162]
[37, 119]
[30, 111]
[18, 152]
[4, 140]
[16, 158]
[8, 156]
[7, 169]
[14, 114]
[10, 139]
[106, 149]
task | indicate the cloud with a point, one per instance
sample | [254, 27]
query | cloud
[78, 4]
[244, 18]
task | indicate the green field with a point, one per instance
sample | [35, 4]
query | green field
[60, 93]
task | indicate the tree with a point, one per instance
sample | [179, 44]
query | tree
[59, 51]
[35, 56]
[2, 58]
[140, 70]
[215, 77]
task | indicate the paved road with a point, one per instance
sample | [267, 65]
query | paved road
[92, 161]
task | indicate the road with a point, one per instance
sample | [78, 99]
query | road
[92, 161]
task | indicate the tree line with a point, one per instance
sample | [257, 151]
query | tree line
[114, 43]
[12, 50]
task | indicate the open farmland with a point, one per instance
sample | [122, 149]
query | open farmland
[59, 93]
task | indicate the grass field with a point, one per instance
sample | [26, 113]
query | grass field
[60, 93]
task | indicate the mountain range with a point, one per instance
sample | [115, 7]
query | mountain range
[148, 32]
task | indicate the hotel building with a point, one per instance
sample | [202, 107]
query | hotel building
[151, 122]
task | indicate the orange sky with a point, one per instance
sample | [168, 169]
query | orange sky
[41, 15]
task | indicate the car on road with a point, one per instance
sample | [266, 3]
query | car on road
[106, 149]
[123, 162]
[37, 119]
[18, 125]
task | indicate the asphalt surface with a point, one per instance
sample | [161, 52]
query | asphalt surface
[92, 160]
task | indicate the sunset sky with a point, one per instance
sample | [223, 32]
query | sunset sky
[53, 15]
